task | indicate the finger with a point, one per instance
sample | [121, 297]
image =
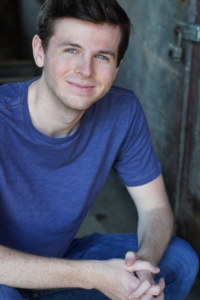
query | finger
[157, 289]
[141, 290]
[130, 258]
[160, 297]
[144, 266]
[147, 297]
[142, 275]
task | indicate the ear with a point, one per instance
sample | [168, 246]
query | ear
[38, 52]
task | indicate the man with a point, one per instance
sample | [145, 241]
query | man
[60, 135]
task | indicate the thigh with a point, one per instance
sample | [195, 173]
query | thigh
[179, 266]
[102, 246]
[8, 293]
[73, 294]
[95, 246]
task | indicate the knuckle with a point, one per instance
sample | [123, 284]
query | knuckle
[158, 290]
[147, 283]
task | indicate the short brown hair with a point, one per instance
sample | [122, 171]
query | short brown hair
[95, 11]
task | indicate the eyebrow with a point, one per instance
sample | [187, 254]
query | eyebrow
[80, 47]
[69, 44]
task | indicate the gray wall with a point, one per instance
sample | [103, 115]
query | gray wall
[169, 93]
[155, 77]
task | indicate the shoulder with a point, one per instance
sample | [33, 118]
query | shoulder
[119, 98]
[118, 93]
[10, 94]
[120, 101]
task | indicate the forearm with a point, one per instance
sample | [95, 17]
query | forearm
[22, 270]
[154, 233]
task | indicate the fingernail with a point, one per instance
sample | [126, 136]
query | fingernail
[129, 261]
[158, 269]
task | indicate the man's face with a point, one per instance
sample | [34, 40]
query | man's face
[80, 63]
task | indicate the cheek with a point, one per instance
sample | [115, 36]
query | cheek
[59, 66]
[108, 75]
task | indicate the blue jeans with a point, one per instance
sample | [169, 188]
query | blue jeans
[179, 266]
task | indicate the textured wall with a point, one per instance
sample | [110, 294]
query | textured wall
[155, 77]
[170, 95]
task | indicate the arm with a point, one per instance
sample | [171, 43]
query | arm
[154, 233]
[111, 277]
[23, 270]
[155, 219]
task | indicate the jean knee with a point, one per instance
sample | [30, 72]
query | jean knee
[187, 257]
[182, 261]
[8, 293]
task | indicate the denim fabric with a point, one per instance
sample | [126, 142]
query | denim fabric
[179, 266]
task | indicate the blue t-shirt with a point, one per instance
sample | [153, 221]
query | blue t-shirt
[47, 185]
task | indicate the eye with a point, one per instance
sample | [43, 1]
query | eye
[102, 57]
[71, 50]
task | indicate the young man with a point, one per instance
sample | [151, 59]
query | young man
[60, 136]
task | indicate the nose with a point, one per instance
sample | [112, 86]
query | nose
[85, 67]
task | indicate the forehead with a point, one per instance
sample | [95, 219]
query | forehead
[78, 31]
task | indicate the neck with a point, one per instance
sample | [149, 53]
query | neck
[52, 120]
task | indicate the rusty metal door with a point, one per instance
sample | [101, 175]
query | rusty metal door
[189, 208]
[169, 93]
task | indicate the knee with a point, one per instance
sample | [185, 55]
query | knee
[187, 259]
[8, 293]
[182, 261]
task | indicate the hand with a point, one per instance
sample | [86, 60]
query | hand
[116, 280]
[147, 290]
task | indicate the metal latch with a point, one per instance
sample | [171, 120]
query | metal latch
[190, 32]
[183, 31]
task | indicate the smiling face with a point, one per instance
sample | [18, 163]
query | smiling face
[80, 63]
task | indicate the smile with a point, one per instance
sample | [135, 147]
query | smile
[81, 87]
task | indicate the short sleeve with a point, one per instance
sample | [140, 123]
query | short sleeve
[136, 163]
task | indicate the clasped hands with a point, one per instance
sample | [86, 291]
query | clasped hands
[146, 288]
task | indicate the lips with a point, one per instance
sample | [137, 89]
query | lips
[80, 87]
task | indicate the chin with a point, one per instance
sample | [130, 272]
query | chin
[80, 104]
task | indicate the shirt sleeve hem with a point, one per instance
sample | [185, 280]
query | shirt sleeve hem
[143, 180]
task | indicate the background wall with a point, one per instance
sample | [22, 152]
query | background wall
[28, 12]
[169, 93]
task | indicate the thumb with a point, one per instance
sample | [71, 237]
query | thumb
[130, 258]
